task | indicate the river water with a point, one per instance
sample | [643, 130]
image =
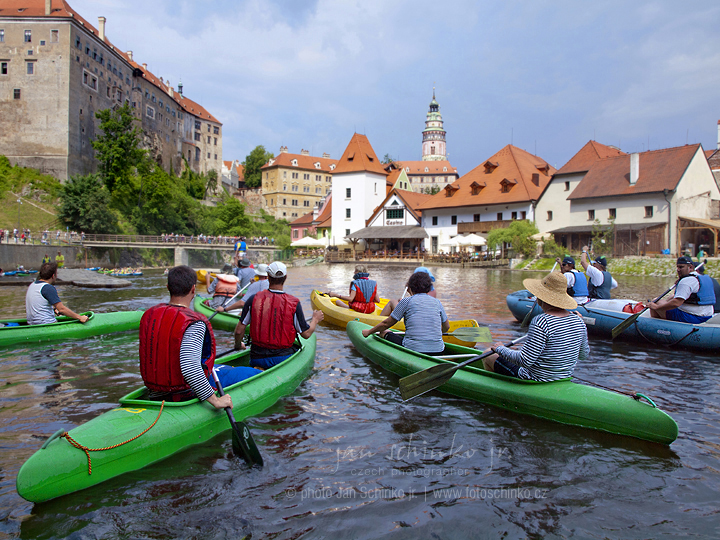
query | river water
[345, 458]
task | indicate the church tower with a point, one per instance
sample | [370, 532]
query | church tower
[433, 145]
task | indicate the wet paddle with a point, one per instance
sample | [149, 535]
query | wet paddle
[429, 379]
[627, 323]
[227, 301]
[242, 442]
[469, 333]
[528, 317]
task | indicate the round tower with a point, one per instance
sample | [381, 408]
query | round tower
[433, 145]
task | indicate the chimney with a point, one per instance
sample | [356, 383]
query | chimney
[170, 90]
[304, 152]
[129, 53]
[283, 150]
[634, 168]
[101, 25]
[326, 155]
[48, 7]
[316, 212]
[145, 67]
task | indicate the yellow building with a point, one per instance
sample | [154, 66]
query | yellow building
[293, 183]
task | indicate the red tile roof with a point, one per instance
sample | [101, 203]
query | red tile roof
[659, 170]
[326, 214]
[587, 155]
[410, 199]
[434, 167]
[285, 159]
[240, 171]
[360, 156]
[511, 166]
[306, 219]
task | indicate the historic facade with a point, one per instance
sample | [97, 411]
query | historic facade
[57, 71]
[292, 184]
[433, 136]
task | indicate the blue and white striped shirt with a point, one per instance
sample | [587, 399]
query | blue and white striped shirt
[423, 316]
[553, 347]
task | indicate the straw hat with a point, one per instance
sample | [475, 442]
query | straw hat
[552, 289]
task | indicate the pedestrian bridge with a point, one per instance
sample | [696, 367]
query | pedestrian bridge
[180, 244]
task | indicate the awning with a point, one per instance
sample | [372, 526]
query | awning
[710, 223]
[618, 227]
[395, 232]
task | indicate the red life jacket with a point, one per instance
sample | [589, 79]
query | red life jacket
[272, 320]
[161, 332]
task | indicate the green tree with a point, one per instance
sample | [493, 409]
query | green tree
[211, 184]
[253, 162]
[431, 190]
[85, 206]
[517, 234]
[118, 148]
[602, 237]
[387, 159]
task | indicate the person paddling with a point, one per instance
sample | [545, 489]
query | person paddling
[224, 286]
[577, 286]
[42, 301]
[392, 304]
[556, 339]
[600, 280]
[716, 286]
[262, 284]
[694, 299]
[363, 292]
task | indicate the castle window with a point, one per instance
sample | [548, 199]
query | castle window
[2, 35]
[3, 68]
[197, 154]
[16, 93]
[54, 36]
[78, 44]
[28, 36]
[197, 137]
[216, 130]
[197, 125]
[149, 112]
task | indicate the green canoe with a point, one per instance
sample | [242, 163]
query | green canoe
[20, 331]
[561, 401]
[221, 321]
[59, 468]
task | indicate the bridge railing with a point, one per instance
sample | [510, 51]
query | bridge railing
[171, 240]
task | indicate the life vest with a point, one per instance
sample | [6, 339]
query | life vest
[272, 320]
[601, 291]
[226, 285]
[706, 295]
[364, 292]
[581, 287]
[162, 328]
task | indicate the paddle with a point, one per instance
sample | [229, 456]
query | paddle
[227, 300]
[620, 328]
[469, 333]
[429, 379]
[242, 442]
[528, 317]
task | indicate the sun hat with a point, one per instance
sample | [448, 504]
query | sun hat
[601, 260]
[261, 270]
[685, 260]
[276, 270]
[568, 260]
[244, 262]
[552, 289]
[428, 272]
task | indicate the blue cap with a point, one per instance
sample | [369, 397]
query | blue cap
[568, 260]
[685, 260]
[428, 272]
[601, 260]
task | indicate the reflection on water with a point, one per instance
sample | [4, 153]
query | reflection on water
[346, 458]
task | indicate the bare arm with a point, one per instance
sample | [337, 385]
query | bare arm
[584, 258]
[64, 310]
[347, 299]
[317, 316]
[237, 305]
[380, 327]
[239, 334]
[445, 326]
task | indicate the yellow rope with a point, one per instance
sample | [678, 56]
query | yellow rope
[88, 450]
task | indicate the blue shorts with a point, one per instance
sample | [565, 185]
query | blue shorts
[683, 316]
[504, 367]
[267, 363]
[229, 375]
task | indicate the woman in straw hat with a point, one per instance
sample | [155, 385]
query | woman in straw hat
[556, 340]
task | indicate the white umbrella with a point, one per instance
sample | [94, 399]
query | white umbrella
[471, 239]
[308, 241]
[542, 236]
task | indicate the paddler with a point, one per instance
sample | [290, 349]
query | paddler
[556, 339]
[694, 299]
[244, 272]
[177, 348]
[42, 301]
[716, 287]
[600, 282]
[224, 286]
[424, 316]
[275, 318]
[255, 287]
[363, 292]
[577, 286]
[392, 304]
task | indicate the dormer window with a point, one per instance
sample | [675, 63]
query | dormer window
[544, 168]
[427, 170]
[444, 169]
[317, 165]
[490, 166]
[407, 169]
[351, 157]
[370, 158]
[450, 190]
[294, 162]
[332, 168]
[506, 185]
[476, 188]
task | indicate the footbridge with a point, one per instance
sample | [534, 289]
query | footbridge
[180, 244]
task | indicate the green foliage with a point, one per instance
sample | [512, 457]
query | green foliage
[553, 249]
[118, 148]
[602, 237]
[432, 190]
[253, 162]
[230, 220]
[387, 159]
[85, 206]
[517, 234]
[42, 186]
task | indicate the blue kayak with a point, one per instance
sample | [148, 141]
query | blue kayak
[601, 316]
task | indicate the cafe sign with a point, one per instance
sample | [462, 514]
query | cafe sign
[390, 222]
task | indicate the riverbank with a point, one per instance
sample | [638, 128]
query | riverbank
[628, 266]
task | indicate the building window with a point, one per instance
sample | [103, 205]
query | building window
[208, 129]
[347, 232]
[476, 217]
[306, 203]
[612, 213]
[208, 155]
[347, 213]
[306, 177]
[149, 112]
[294, 202]
[523, 214]
[197, 154]
[499, 216]
[284, 202]
[513, 215]
[591, 215]
[90, 80]
[3, 68]
[348, 192]
[395, 213]
[54, 36]
[30, 67]
[215, 141]
[453, 220]
[28, 36]
[648, 211]
[295, 175]
[549, 216]
[567, 186]
[435, 220]
[2, 35]
[216, 130]
[16, 93]
[197, 137]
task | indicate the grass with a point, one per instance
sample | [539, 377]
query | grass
[30, 217]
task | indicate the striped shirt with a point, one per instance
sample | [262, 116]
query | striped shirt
[553, 347]
[423, 316]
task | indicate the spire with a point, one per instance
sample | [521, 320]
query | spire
[433, 145]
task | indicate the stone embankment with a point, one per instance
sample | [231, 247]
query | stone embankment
[634, 266]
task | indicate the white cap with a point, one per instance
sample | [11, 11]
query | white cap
[276, 270]
[261, 270]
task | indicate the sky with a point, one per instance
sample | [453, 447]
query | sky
[546, 76]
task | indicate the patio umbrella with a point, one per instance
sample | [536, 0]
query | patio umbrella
[471, 239]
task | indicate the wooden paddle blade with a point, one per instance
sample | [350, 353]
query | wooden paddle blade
[627, 323]
[426, 380]
[472, 333]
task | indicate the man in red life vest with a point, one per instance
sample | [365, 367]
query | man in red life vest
[177, 348]
[275, 318]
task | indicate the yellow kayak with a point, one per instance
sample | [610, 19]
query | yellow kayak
[202, 273]
[338, 316]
